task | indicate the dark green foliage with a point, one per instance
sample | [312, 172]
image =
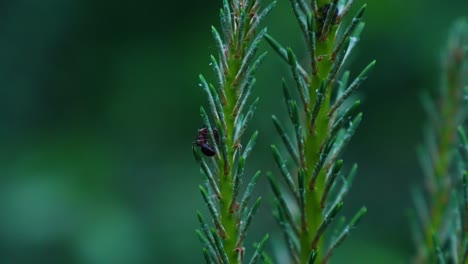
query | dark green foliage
[441, 208]
[325, 223]
[345, 233]
[258, 250]
[440, 259]
[312, 257]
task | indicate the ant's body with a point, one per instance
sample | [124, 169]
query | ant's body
[202, 141]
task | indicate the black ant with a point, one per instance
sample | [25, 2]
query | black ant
[202, 141]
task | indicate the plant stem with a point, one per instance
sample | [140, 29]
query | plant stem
[313, 144]
[227, 216]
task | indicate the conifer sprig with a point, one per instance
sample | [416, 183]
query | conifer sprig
[322, 123]
[440, 222]
[219, 144]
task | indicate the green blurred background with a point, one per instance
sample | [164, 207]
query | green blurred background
[99, 106]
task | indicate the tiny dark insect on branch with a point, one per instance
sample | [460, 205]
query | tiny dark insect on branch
[202, 141]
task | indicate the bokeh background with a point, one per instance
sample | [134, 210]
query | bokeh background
[99, 106]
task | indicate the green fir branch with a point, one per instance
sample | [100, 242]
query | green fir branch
[321, 128]
[441, 222]
[218, 145]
